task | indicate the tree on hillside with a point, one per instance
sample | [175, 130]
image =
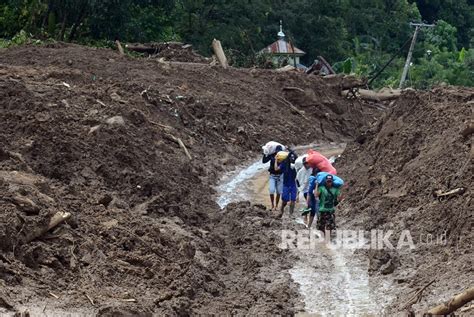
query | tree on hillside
[238, 24]
[384, 22]
[317, 27]
[439, 61]
[458, 13]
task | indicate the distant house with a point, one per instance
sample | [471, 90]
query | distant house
[282, 52]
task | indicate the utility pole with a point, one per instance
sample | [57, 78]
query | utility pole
[417, 26]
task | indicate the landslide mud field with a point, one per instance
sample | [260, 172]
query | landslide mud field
[98, 135]
[88, 132]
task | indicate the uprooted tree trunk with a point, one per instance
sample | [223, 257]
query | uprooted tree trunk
[453, 304]
[55, 220]
[286, 68]
[457, 191]
[217, 47]
[141, 48]
[120, 48]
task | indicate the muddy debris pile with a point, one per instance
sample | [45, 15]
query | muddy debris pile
[412, 171]
[103, 137]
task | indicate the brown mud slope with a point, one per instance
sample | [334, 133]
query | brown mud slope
[89, 132]
[392, 171]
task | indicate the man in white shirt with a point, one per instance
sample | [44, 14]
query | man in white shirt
[302, 179]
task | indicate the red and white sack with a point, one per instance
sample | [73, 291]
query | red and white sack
[319, 161]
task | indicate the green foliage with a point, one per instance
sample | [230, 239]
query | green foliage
[345, 67]
[458, 13]
[381, 23]
[357, 36]
[436, 60]
[263, 61]
[443, 36]
[443, 67]
[444, 63]
[21, 38]
[462, 55]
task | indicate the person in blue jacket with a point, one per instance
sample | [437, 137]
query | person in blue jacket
[312, 200]
[275, 180]
[289, 182]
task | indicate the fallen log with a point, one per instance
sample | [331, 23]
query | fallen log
[154, 47]
[293, 89]
[453, 304]
[456, 191]
[55, 220]
[143, 49]
[217, 47]
[286, 68]
[162, 60]
[372, 95]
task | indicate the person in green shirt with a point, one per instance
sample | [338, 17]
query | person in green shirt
[329, 198]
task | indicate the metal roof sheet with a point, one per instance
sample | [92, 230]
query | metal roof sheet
[282, 47]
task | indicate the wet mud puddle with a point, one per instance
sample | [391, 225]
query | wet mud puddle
[332, 279]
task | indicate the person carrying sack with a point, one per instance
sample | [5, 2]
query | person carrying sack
[289, 181]
[329, 198]
[276, 178]
[311, 199]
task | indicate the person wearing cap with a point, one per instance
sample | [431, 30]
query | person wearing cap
[329, 197]
[289, 182]
[275, 180]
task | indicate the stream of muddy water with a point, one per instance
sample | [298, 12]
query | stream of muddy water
[332, 281]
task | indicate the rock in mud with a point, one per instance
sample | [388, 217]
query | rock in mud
[94, 129]
[117, 120]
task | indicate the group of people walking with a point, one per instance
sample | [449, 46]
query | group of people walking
[292, 177]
